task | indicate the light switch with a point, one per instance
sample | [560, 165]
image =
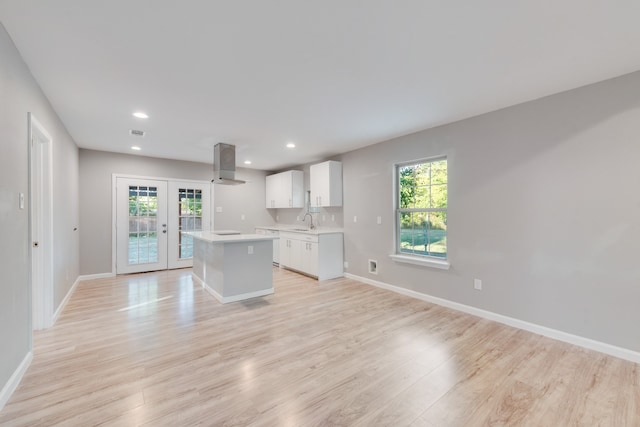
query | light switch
[355, 218]
[250, 250]
[242, 217]
[21, 200]
[379, 220]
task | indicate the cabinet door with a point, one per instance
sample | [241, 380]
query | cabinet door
[284, 195]
[291, 253]
[295, 256]
[326, 184]
[318, 176]
[285, 258]
[310, 254]
[272, 184]
[292, 189]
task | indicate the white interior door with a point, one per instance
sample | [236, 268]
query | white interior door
[41, 223]
[189, 210]
[141, 225]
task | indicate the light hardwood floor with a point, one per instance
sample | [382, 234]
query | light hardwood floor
[154, 349]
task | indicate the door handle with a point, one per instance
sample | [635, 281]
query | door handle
[36, 244]
[164, 231]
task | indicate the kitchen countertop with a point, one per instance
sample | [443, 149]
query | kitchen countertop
[298, 229]
[208, 236]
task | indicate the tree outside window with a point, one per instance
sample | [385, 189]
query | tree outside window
[422, 208]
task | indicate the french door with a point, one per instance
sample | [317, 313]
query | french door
[150, 216]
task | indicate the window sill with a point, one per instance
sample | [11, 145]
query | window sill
[427, 262]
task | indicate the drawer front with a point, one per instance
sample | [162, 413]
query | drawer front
[299, 236]
[309, 237]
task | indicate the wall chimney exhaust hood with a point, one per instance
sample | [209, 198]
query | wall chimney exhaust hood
[224, 165]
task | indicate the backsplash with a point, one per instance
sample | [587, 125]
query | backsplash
[325, 217]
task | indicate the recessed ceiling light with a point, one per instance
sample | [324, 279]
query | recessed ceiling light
[140, 115]
[135, 147]
[247, 162]
[291, 145]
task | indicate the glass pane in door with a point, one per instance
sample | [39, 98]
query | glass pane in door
[143, 224]
[189, 219]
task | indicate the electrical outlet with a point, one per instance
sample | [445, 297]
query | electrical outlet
[219, 209]
[477, 284]
[346, 264]
[250, 250]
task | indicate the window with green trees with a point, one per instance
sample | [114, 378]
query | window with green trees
[422, 208]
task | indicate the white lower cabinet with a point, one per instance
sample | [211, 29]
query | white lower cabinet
[317, 255]
[310, 258]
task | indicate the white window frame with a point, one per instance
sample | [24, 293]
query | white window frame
[423, 260]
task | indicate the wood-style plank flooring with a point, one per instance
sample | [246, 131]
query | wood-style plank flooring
[156, 350]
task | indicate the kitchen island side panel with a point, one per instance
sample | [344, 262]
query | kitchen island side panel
[246, 273]
[234, 270]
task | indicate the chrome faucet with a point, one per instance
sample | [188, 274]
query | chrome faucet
[311, 226]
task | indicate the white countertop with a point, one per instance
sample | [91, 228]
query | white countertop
[209, 236]
[301, 229]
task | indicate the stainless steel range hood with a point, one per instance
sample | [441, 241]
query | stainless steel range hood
[224, 165]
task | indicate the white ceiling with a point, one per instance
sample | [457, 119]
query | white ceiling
[330, 75]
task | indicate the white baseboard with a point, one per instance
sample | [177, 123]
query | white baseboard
[15, 379]
[612, 350]
[232, 298]
[64, 301]
[96, 276]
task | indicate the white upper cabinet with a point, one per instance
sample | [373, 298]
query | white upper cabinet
[285, 190]
[326, 184]
[271, 190]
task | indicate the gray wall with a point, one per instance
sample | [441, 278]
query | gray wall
[96, 169]
[544, 208]
[20, 94]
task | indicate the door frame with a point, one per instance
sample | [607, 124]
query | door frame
[40, 195]
[114, 181]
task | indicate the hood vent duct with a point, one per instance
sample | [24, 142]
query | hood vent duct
[224, 165]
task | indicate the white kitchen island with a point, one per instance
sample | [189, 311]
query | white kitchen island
[233, 267]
